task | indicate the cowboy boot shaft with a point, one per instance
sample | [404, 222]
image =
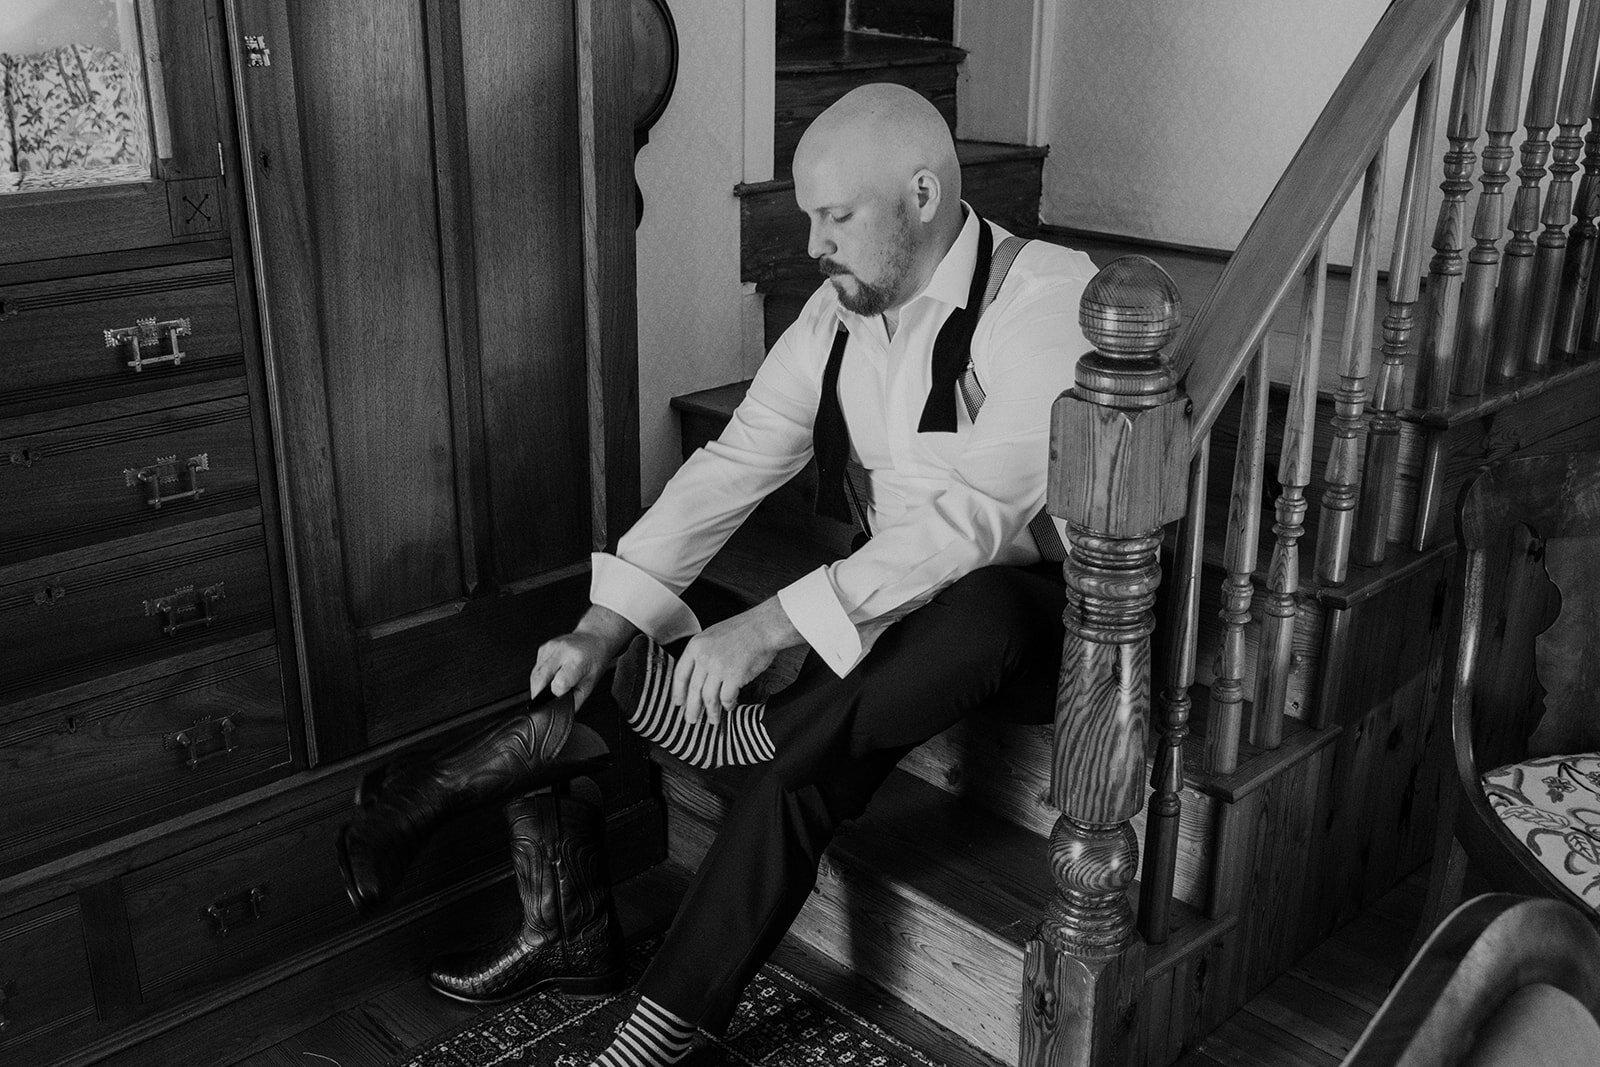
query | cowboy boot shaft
[569, 936]
[401, 807]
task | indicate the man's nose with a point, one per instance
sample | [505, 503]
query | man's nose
[817, 244]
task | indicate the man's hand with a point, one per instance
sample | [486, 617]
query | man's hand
[722, 659]
[574, 662]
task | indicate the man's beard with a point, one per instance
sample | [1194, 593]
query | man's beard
[871, 298]
[866, 299]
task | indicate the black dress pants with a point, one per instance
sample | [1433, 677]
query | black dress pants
[990, 641]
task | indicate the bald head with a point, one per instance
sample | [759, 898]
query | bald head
[877, 173]
[884, 134]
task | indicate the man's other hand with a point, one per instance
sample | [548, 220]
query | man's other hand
[573, 663]
[724, 658]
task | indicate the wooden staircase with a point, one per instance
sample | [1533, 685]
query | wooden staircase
[933, 895]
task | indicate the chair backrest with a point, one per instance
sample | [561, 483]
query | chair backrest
[1504, 980]
[1528, 667]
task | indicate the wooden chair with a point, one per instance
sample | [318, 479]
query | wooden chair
[1526, 692]
[1505, 981]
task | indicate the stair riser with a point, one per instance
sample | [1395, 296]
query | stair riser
[1005, 769]
[890, 935]
[799, 98]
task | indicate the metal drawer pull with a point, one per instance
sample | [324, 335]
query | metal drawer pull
[25, 457]
[213, 736]
[146, 332]
[8, 993]
[47, 597]
[165, 471]
[203, 602]
[237, 909]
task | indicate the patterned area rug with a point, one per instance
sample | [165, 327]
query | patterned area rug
[782, 1022]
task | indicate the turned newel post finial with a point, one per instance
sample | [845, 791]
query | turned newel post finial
[1119, 465]
[1129, 312]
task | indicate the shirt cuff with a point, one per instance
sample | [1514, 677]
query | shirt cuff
[640, 598]
[814, 609]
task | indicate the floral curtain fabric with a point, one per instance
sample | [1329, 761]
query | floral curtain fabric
[73, 115]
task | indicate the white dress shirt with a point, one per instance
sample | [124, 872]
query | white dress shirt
[943, 504]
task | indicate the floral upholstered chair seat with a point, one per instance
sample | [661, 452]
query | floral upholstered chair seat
[1552, 806]
[71, 116]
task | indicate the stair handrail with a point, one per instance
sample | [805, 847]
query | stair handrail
[1213, 350]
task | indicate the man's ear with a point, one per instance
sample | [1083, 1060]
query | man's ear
[925, 186]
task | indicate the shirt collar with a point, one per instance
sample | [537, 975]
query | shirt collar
[952, 278]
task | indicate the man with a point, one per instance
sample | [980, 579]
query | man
[950, 604]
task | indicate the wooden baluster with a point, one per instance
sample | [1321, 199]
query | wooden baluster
[1118, 473]
[1577, 305]
[1166, 777]
[1436, 367]
[1343, 473]
[1388, 396]
[1550, 259]
[1483, 263]
[1589, 201]
[1225, 713]
[1275, 656]
[1516, 266]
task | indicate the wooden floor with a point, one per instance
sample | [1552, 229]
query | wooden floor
[1312, 1015]
[1309, 1016]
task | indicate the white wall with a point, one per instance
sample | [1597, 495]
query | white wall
[1172, 121]
[694, 319]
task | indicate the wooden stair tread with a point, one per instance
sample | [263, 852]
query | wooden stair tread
[657, 892]
[968, 153]
[1257, 766]
[851, 50]
[989, 873]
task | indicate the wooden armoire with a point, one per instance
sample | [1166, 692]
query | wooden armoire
[307, 432]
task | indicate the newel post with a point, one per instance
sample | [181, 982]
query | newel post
[1119, 463]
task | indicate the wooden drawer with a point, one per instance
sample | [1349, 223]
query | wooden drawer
[76, 485]
[89, 620]
[99, 767]
[261, 895]
[45, 996]
[53, 333]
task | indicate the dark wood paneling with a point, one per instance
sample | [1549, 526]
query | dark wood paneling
[53, 333]
[96, 618]
[809, 79]
[474, 656]
[82, 483]
[45, 993]
[275, 178]
[113, 970]
[521, 120]
[366, 125]
[98, 767]
[193, 920]
[606, 151]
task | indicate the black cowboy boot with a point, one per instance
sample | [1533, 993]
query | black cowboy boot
[401, 804]
[569, 938]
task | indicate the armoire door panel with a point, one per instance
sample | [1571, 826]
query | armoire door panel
[367, 127]
[522, 136]
[427, 673]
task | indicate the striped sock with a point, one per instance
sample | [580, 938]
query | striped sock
[643, 687]
[652, 1037]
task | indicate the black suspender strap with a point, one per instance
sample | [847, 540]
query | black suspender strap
[841, 490]
[952, 349]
